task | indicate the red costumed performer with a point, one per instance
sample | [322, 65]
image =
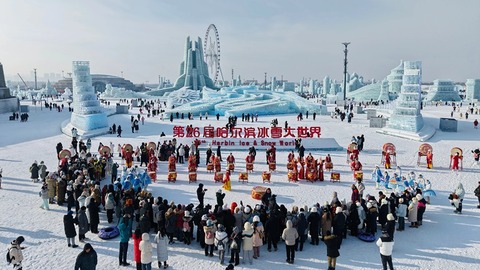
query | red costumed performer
[455, 161]
[249, 163]
[388, 164]
[231, 162]
[429, 160]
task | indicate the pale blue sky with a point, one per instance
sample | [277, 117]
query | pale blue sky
[293, 38]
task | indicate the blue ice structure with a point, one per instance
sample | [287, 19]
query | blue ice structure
[88, 116]
[442, 90]
[406, 120]
[385, 90]
[231, 101]
[193, 71]
[472, 89]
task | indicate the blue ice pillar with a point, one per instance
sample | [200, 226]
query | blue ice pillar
[406, 115]
[326, 85]
[87, 113]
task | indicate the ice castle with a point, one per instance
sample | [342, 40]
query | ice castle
[442, 90]
[88, 116]
[383, 90]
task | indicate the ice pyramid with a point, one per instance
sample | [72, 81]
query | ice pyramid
[442, 90]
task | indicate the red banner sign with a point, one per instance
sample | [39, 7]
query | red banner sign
[246, 132]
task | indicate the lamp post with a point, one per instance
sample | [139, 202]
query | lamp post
[345, 71]
[265, 83]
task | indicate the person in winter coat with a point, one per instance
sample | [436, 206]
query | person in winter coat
[272, 230]
[162, 248]
[220, 196]
[371, 220]
[87, 259]
[390, 226]
[326, 222]
[201, 194]
[69, 226]
[361, 188]
[44, 195]
[362, 216]
[110, 206]
[221, 242]
[457, 200]
[146, 248]
[385, 243]
[34, 172]
[413, 213]
[61, 190]
[354, 219]
[314, 220]
[258, 234]
[209, 230]
[332, 249]
[42, 169]
[125, 229]
[15, 253]
[401, 214]
[383, 212]
[422, 206]
[170, 221]
[235, 246]
[247, 244]
[339, 223]
[94, 216]
[52, 187]
[302, 229]
[476, 192]
[82, 224]
[290, 235]
[137, 238]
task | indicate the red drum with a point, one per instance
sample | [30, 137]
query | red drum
[266, 176]
[328, 165]
[243, 176]
[334, 177]
[272, 166]
[258, 191]
[192, 177]
[218, 177]
[231, 166]
[210, 167]
[172, 176]
[359, 175]
[292, 176]
[249, 166]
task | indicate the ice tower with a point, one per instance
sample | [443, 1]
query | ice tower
[7, 102]
[87, 114]
[193, 71]
[406, 120]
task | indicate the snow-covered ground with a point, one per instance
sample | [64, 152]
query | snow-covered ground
[445, 241]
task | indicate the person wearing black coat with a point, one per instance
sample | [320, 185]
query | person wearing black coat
[390, 226]
[332, 249]
[220, 197]
[266, 197]
[69, 226]
[209, 154]
[354, 220]
[70, 199]
[87, 259]
[228, 221]
[200, 195]
[302, 227]
[339, 223]
[94, 217]
[273, 230]
[235, 246]
[59, 148]
[314, 223]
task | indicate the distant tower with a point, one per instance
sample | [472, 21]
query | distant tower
[7, 102]
[472, 91]
[87, 113]
[406, 115]
[326, 85]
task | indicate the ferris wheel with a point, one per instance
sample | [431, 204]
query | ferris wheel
[211, 51]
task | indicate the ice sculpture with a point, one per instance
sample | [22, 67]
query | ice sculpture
[472, 89]
[193, 71]
[231, 101]
[406, 116]
[7, 102]
[326, 85]
[442, 91]
[87, 113]
[379, 90]
[406, 121]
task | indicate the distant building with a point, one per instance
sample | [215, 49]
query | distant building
[99, 82]
[472, 91]
[442, 90]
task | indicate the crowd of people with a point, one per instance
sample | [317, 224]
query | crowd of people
[230, 229]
